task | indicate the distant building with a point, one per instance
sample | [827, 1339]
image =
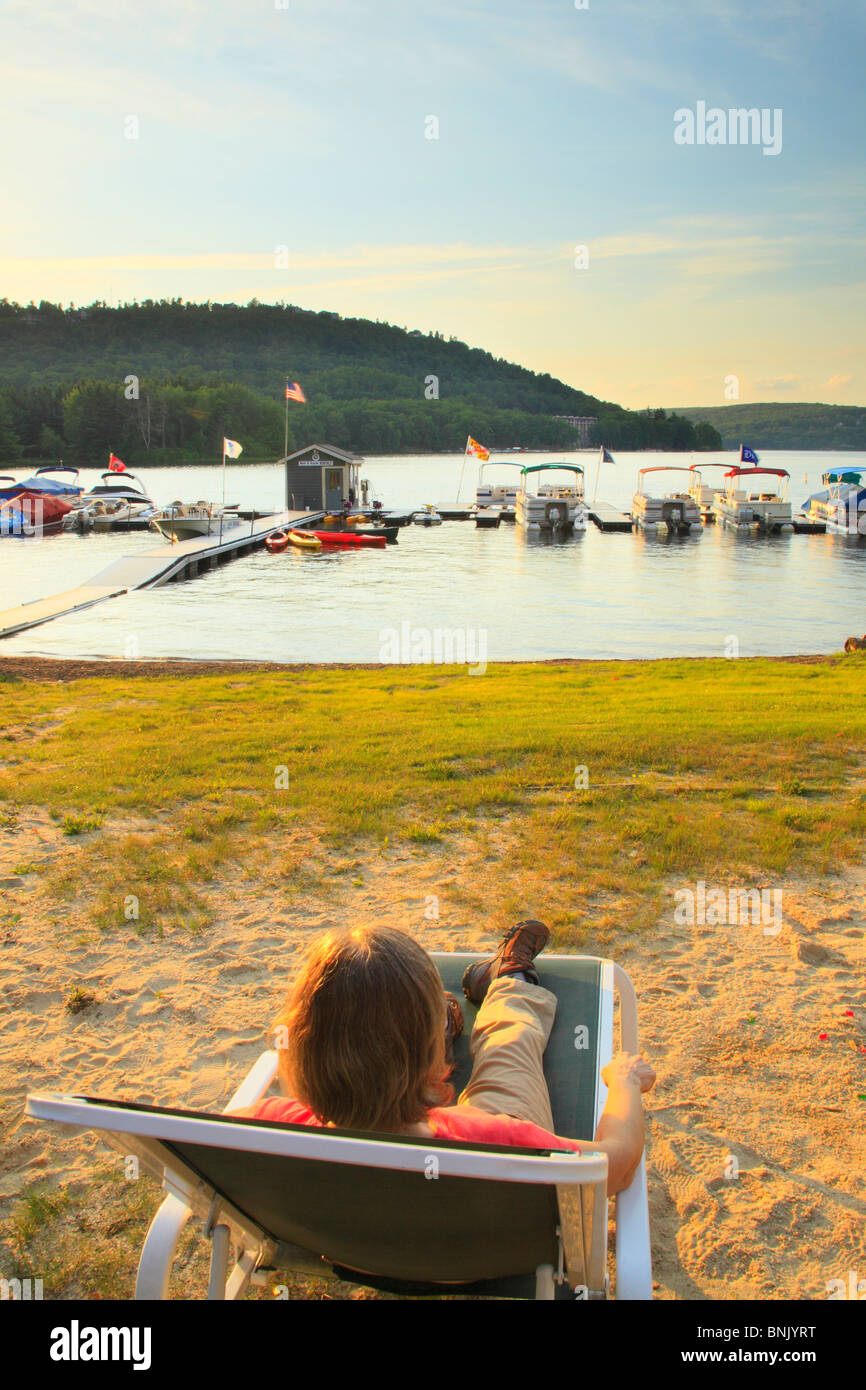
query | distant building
[585, 426]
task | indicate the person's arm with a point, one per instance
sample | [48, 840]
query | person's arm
[620, 1132]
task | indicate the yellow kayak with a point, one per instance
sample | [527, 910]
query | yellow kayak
[304, 542]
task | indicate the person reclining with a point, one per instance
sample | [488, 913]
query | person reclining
[366, 1034]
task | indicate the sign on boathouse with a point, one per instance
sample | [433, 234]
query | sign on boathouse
[320, 477]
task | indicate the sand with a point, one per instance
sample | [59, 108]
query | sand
[732, 1018]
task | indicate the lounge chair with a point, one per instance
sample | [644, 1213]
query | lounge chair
[404, 1215]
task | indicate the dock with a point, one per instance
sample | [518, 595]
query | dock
[805, 526]
[151, 568]
[607, 518]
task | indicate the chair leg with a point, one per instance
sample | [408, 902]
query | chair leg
[239, 1278]
[219, 1262]
[154, 1267]
[544, 1286]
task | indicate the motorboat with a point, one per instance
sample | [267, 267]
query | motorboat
[555, 505]
[675, 512]
[428, 517]
[702, 492]
[41, 482]
[117, 503]
[841, 506]
[33, 514]
[184, 521]
[745, 506]
[496, 494]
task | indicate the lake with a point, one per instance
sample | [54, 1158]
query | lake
[593, 595]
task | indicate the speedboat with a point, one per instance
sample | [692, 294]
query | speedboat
[184, 521]
[702, 492]
[33, 514]
[41, 483]
[117, 503]
[743, 505]
[675, 512]
[842, 504]
[554, 506]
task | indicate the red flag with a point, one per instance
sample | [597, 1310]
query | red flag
[116, 465]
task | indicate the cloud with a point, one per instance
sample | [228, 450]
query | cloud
[836, 381]
[779, 383]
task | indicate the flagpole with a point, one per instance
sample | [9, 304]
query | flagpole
[286, 439]
[597, 472]
[224, 470]
[462, 468]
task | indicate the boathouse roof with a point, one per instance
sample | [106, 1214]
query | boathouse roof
[329, 450]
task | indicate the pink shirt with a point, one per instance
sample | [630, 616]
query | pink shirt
[464, 1122]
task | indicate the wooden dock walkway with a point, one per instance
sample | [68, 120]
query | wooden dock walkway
[150, 568]
[607, 518]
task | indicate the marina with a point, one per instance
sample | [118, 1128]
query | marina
[587, 594]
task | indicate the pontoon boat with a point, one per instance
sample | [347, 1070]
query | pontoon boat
[555, 506]
[744, 506]
[676, 512]
[701, 492]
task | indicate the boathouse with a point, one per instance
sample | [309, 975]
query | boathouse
[320, 477]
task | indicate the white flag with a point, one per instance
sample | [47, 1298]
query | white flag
[232, 449]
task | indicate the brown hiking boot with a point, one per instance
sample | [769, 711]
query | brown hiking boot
[453, 1026]
[520, 946]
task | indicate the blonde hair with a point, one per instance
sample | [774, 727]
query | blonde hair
[364, 1031]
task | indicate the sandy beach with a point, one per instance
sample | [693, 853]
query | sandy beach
[733, 1019]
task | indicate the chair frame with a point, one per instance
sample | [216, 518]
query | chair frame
[580, 1181]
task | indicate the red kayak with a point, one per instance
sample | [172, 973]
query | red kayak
[347, 538]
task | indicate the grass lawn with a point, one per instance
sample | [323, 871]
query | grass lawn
[611, 776]
[605, 782]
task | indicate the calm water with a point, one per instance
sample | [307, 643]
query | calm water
[591, 596]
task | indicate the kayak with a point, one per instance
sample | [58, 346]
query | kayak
[305, 540]
[276, 542]
[349, 538]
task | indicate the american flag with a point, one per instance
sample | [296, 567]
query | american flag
[294, 392]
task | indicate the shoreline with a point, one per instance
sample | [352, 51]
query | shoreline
[62, 669]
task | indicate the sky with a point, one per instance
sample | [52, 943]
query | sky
[505, 173]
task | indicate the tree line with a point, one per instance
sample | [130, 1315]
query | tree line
[163, 382]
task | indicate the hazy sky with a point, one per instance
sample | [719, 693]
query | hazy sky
[159, 148]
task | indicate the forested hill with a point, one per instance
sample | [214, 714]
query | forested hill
[204, 370]
[774, 425]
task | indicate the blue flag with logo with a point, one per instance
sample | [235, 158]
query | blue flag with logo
[748, 455]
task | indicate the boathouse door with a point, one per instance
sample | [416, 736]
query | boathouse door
[333, 489]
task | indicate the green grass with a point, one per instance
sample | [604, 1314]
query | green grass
[694, 768]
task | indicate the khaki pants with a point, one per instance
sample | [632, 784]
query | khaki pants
[507, 1045]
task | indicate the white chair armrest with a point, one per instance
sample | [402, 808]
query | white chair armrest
[634, 1274]
[255, 1083]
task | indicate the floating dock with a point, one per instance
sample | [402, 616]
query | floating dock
[805, 526]
[607, 518]
[151, 568]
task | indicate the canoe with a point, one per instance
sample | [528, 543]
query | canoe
[349, 538]
[276, 542]
[305, 540]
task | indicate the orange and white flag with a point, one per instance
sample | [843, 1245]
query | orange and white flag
[475, 449]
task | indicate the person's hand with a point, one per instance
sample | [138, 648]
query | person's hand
[628, 1069]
